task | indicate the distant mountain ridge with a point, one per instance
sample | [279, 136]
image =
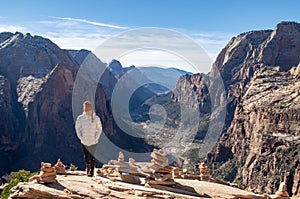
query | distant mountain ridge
[167, 77]
[164, 78]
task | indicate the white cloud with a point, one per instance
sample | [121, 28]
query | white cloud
[71, 33]
[91, 22]
[77, 39]
[75, 43]
[11, 28]
[212, 42]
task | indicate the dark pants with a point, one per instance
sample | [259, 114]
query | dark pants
[89, 158]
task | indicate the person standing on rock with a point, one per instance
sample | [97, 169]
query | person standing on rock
[88, 129]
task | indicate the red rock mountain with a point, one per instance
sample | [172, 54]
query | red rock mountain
[260, 143]
[36, 85]
[260, 148]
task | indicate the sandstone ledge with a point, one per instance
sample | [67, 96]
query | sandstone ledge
[79, 186]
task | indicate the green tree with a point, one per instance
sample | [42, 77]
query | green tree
[15, 178]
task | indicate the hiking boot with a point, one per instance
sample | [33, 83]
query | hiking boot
[88, 169]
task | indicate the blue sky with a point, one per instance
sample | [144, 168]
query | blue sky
[85, 24]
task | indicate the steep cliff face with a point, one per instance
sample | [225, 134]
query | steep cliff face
[12, 121]
[50, 125]
[193, 91]
[261, 146]
[282, 46]
[37, 79]
[236, 64]
[12, 124]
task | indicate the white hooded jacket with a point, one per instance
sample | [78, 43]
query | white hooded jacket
[88, 130]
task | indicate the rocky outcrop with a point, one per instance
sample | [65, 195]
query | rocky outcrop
[37, 56]
[37, 80]
[192, 90]
[79, 55]
[263, 139]
[116, 68]
[40, 77]
[261, 146]
[282, 46]
[76, 186]
[4, 36]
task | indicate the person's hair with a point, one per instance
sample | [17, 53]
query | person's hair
[87, 106]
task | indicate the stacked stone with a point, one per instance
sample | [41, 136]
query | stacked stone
[132, 162]
[161, 173]
[47, 174]
[281, 193]
[282, 190]
[204, 175]
[116, 167]
[121, 157]
[108, 171]
[159, 159]
[60, 167]
[125, 167]
[161, 176]
[185, 174]
[177, 172]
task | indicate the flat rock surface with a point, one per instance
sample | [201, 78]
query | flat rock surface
[78, 186]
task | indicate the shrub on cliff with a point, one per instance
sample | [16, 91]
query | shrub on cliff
[15, 178]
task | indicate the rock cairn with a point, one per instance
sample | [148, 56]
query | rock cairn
[161, 176]
[186, 174]
[121, 157]
[204, 175]
[46, 175]
[159, 159]
[108, 171]
[161, 173]
[60, 167]
[124, 167]
[177, 172]
[128, 171]
[280, 194]
[282, 190]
